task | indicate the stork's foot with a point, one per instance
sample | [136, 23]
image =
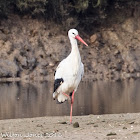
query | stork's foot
[67, 95]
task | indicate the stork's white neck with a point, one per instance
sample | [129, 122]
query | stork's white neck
[75, 51]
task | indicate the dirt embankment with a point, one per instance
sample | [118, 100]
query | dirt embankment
[31, 48]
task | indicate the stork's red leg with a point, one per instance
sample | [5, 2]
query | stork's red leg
[72, 100]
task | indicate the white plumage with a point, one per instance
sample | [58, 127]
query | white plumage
[70, 70]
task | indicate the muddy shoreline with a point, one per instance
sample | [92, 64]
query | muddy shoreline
[114, 126]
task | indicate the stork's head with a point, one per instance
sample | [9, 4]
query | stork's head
[73, 33]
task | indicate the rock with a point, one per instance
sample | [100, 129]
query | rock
[39, 125]
[128, 25]
[93, 38]
[71, 21]
[111, 133]
[8, 68]
[96, 125]
[24, 76]
[51, 64]
[131, 69]
[116, 75]
[22, 61]
[1, 43]
[116, 52]
[90, 123]
[111, 37]
[3, 36]
[76, 125]
[131, 122]
[135, 133]
[63, 122]
[8, 46]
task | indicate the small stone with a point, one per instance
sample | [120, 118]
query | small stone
[116, 52]
[111, 133]
[39, 125]
[132, 122]
[63, 122]
[124, 127]
[135, 132]
[76, 125]
[51, 64]
[95, 125]
[90, 123]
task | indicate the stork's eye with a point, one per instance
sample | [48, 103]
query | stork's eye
[73, 33]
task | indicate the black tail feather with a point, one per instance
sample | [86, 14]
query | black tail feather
[57, 83]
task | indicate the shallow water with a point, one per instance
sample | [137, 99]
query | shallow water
[22, 100]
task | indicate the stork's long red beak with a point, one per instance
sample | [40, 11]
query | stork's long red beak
[80, 39]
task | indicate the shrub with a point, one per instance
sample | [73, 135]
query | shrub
[32, 7]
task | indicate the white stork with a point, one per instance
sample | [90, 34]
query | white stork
[69, 72]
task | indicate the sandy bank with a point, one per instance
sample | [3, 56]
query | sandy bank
[108, 127]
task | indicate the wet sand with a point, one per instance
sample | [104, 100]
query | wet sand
[102, 127]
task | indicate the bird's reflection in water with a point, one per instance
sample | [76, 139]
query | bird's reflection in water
[22, 100]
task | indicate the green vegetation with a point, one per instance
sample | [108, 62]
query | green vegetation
[5, 7]
[55, 9]
[32, 7]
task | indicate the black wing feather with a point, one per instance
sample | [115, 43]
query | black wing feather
[57, 83]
